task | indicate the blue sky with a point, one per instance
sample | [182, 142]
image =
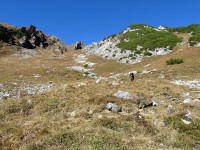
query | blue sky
[92, 20]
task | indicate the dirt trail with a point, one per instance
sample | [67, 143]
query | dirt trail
[184, 43]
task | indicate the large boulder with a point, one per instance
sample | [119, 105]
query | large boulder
[78, 45]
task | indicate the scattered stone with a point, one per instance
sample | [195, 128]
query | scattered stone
[154, 103]
[194, 84]
[115, 83]
[73, 113]
[186, 122]
[6, 95]
[122, 94]
[169, 106]
[187, 94]
[50, 82]
[100, 116]
[112, 107]
[79, 45]
[196, 100]
[98, 81]
[170, 112]
[80, 84]
[161, 76]
[186, 101]
[189, 115]
[161, 144]
[29, 101]
[20, 76]
[30, 92]
[37, 75]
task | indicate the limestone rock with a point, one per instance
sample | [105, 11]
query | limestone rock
[78, 45]
[122, 94]
[112, 107]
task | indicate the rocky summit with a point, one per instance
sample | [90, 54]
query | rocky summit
[138, 89]
[30, 38]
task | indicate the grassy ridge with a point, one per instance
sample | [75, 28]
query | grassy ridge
[148, 38]
[193, 28]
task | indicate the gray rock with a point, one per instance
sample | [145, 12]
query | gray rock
[78, 45]
[154, 103]
[98, 81]
[122, 94]
[189, 115]
[112, 107]
[50, 82]
[186, 101]
[169, 106]
[115, 83]
[37, 75]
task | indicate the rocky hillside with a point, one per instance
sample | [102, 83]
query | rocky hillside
[30, 38]
[138, 41]
[80, 101]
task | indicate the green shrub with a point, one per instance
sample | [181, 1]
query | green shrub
[193, 28]
[86, 65]
[172, 61]
[147, 53]
[148, 38]
[113, 55]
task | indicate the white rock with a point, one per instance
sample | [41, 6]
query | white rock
[80, 84]
[73, 113]
[186, 101]
[122, 94]
[111, 106]
[98, 81]
[189, 115]
[187, 94]
[161, 77]
[37, 75]
[154, 103]
[115, 83]
[100, 116]
[169, 106]
[194, 84]
[186, 122]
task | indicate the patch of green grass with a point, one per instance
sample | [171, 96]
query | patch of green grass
[147, 53]
[172, 61]
[187, 132]
[111, 36]
[86, 65]
[139, 26]
[148, 38]
[193, 28]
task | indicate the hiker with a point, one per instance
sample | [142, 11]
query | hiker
[131, 77]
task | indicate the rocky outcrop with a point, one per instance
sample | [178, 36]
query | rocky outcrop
[78, 45]
[30, 38]
[108, 48]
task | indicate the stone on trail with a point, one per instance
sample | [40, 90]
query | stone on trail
[112, 107]
[122, 94]
[186, 101]
[189, 115]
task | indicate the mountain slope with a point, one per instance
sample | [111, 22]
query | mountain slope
[138, 41]
[60, 102]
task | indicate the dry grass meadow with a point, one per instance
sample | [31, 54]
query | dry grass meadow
[74, 117]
